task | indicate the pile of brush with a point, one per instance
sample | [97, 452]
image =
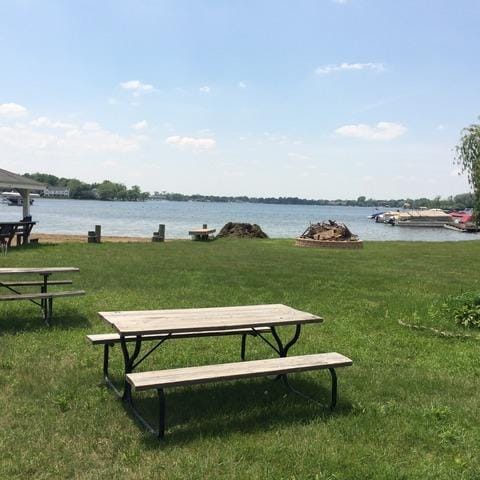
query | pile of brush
[329, 231]
[241, 230]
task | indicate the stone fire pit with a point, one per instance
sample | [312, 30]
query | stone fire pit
[328, 235]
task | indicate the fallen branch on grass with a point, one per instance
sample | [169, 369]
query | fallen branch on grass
[440, 333]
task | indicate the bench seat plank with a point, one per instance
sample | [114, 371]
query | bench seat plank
[39, 296]
[232, 371]
[41, 271]
[105, 338]
[30, 283]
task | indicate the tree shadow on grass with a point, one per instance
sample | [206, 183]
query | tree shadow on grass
[30, 319]
[241, 407]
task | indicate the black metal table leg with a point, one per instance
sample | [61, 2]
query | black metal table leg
[334, 388]
[242, 350]
[49, 304]
[43, 302]
[128, 362]
[129, 365]
[106, 373]
[283, 349]
[161, 413]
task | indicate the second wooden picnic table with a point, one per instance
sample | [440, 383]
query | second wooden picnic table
[44, 299]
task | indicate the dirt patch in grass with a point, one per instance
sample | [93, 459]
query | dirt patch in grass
[67, 238]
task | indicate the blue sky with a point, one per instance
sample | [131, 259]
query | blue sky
[317, 99]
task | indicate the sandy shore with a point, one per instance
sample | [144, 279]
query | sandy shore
[67, 238]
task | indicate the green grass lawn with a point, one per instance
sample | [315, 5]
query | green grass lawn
[408, 408]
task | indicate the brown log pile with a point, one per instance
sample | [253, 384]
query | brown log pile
[329, 231]
[241, 230]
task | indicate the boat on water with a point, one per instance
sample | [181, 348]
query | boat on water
[462, 222]
[15, 199]
[375, 215]
[421, 218]
[387, 217]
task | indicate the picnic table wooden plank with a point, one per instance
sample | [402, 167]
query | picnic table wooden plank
[233, 371]
[102, 338]
[218, 318]
[201, 310]
[41, 271]
[33, 283]
[202, 231]
[39, 296]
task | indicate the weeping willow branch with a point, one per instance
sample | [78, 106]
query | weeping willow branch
[468, 158]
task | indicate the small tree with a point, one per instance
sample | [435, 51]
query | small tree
[468, 158]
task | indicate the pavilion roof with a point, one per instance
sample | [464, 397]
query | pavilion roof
[9, 180]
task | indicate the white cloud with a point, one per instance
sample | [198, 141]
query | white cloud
[205, 89]
[341, 2]
[441, 127]
[275, 138]
[140, 125]
[298, 156]
[44, 122]
[191, 143]
[380, 131]
[241, 84]
[137, 87]
[12, 110]
[44, 136]
[345, 67]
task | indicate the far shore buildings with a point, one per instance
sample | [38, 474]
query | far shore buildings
[54, 192]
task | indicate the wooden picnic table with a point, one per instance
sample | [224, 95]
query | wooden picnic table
[136, 326]
[201, 233]
[142, 323]
[44, 299]
[22, 230]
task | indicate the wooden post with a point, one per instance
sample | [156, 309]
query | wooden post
[161, 232]
[160, 235]
[98, 233]
[25, 201]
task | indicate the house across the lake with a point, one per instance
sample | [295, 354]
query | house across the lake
[56, 192]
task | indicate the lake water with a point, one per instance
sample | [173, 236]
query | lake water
[142, 219]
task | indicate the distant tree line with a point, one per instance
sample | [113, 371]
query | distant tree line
[106, 190]
[457, 202]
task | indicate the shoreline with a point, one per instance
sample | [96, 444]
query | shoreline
[71, 238]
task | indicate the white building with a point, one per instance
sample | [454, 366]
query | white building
[56, 192]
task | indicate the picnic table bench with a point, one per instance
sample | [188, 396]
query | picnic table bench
[108, 340]
[180, 377]
[162, 325]
[44, 298]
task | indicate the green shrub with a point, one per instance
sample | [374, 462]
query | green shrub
[464, 309]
